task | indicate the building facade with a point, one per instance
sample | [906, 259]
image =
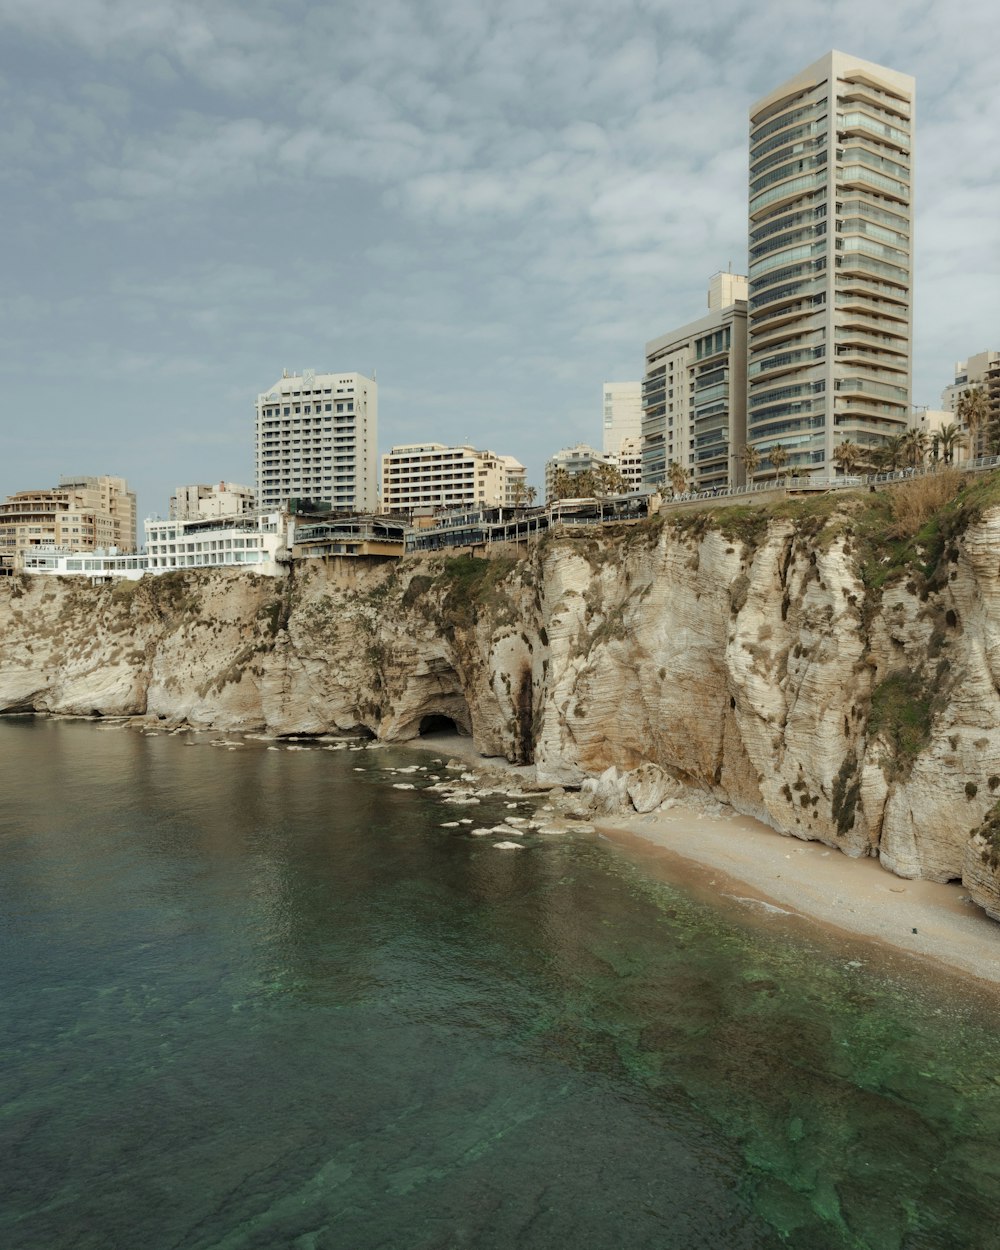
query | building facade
[80, 514]
[258, 543]
[194, 503]
[979, 373]
[574, 460]
[830, 265]
[317, 436]
[622, 414]
[630, 464]
[432, 475]
[694, 393]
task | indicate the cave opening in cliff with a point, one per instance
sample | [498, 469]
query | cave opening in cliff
[437, 724]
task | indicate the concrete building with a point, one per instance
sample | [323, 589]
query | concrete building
[194, 503]
[432, 475]
[830, 225]
[694, 393]
[80, 514]
[574, 460]
[622, 414]
[630, 463]
[979, 372]
[258, 543]
[317, 436]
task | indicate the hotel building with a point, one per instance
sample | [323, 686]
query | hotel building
[432, 475]
[317, 437]
[694, 393]
[198, 502]
[830, 264]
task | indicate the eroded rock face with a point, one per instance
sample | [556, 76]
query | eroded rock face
[756, 667]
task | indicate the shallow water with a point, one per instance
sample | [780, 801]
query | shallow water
[257, 998]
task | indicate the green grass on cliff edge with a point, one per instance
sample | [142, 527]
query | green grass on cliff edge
[886, 544]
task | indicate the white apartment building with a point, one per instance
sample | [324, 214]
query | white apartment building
[622, 414]
[258, 543]
[433, 475]
[830, 229]
[198, 503]
[317, 436]
[580, 458]
[694, 393]
[630, 463]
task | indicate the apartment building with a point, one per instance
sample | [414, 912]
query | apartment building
[630, 463]
[694, 393]
[80, 514]
[199, 502]
[433, 475]
[581, 458]
[622, 409]
[317, 436]
[980, 372]
[830, 265]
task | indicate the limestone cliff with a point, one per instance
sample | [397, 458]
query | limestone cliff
[815, 665]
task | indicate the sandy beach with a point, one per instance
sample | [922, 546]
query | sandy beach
[745, 863]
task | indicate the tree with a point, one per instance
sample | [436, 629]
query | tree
[973, 411]
[914, 447]
[751, 460]
[678, 477]
[778, 456]
[951, 439]
[608, 480]
[891, 453]
[530, 495]
[562, 484]
[519, 493]
[849, 455]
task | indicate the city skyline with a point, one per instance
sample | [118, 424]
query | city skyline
[491, 209]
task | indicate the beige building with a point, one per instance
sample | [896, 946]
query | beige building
[198, 503]
[580, 458]
[830, 300]
[80, 514]
[432, 475]
[979, 372]
[317, 437]
[630, 463]
[622, 405]
[694, 393]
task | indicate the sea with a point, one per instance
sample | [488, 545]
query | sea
[259, 997]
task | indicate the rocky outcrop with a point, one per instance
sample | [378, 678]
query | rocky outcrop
[839, 687]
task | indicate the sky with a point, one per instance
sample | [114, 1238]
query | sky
[492, 206]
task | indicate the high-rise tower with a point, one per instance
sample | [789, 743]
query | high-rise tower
[317, 437]
[830, 308]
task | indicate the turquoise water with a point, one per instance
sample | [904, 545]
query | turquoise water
[257, 998]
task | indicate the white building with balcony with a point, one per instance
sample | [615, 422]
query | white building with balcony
[433, 475]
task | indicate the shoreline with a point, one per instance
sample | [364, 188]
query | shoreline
[740, 861]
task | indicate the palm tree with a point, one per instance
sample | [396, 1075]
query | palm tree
[518, 494]
[951, 439]
[891, 453]
[751, 460]
[562, 484]
[608, 480]
[530, 495]
[849, 455]
[678, 477]
[973, 411]
[778, 456]
[914, 447]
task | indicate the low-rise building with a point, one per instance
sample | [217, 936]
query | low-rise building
[199, 503]
[258, 543]
[433, 475]
[979, 373]
[575, 460]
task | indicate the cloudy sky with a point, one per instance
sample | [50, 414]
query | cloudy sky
[493, 204]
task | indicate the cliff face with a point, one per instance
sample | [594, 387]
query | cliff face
[835, 685]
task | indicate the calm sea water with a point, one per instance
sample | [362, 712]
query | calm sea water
[262, 999]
